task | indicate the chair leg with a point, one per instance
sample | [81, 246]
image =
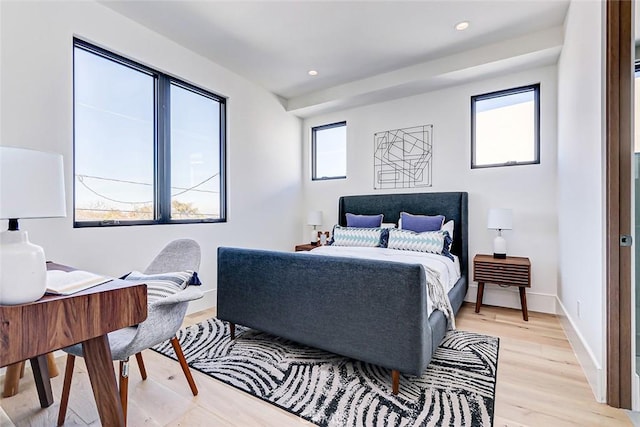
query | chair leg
[124, 387]
[232, 331]
[183, 364]
[51, 365]
[12, 379]
[66, 387]
[143, 370]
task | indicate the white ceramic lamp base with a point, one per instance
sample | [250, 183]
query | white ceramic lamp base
[23, 269]
[499, 247]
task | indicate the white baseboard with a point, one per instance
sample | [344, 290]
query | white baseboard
[510, 297]
[635, 392]
[208, 301]
[590, 366]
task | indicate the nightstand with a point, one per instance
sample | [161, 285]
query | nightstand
[511, 271]
[306, 247]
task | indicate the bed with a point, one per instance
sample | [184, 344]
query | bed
[370, 310]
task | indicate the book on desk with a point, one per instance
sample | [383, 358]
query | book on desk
[69, 282]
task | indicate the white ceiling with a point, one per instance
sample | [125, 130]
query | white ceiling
[364, 51]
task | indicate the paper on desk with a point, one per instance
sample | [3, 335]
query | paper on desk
[68, 282]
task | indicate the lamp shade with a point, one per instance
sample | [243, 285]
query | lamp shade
[314, 218]
[500, 219]
[31, 184]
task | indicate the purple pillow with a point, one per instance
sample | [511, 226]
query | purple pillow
[364, 221]
[421, 223]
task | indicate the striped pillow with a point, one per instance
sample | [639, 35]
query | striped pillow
[162, 285]
[406, 240]
[354, 236]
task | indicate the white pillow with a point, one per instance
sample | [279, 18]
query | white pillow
[448, 226]
[388, 225]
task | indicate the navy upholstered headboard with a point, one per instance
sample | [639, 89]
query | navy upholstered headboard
[453, 205]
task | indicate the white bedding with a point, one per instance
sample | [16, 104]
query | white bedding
[443, 269]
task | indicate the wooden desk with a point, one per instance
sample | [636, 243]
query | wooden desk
[29, 331]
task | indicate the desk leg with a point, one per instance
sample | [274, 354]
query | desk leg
[479, 296]
[523, 302]
[41, 377]
[97, 356]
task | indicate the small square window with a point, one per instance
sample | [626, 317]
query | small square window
[329, 151]
[505, 127]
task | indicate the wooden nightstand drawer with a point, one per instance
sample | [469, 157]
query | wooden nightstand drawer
[501, 274]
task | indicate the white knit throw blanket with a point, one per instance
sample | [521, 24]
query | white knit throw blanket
[438, 296]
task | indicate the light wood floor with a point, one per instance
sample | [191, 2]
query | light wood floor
[540, 383]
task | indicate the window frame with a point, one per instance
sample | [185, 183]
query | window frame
[535, 88]
[635, 76]
[161, 142]
[314, 159]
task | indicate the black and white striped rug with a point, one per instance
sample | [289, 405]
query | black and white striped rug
[457, 389]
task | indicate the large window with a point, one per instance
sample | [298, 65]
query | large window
[329, 151]
[505, 127]
[148, 148]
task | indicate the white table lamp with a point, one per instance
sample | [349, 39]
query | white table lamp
[31, 186]
[500, 219]
[314, 218]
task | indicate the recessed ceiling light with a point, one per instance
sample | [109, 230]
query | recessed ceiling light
[461, 26]
[313, 73]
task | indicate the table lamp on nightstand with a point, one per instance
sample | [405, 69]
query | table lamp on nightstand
[314, 218]
[500, 219]
[31, 186]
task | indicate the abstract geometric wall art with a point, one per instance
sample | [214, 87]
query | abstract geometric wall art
[402, 158]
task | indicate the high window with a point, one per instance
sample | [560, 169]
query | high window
[148, 148]
[505, 127]
[329, 151]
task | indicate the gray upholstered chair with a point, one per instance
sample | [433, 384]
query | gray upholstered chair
[165, 315]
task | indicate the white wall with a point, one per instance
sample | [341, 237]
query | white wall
[580, 187]
[529, 190]
[264, 154]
